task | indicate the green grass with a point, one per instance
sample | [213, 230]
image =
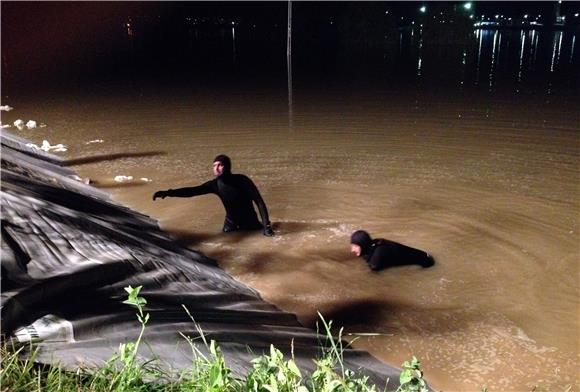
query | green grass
[270, 372]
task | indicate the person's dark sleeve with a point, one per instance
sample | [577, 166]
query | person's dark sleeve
[203, 189]
[257, 198]
[379, 258]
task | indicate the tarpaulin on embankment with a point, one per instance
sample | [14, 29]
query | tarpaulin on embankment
[68, 251]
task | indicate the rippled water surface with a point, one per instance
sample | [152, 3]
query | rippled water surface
[469, 152]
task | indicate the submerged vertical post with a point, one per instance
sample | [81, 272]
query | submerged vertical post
[289, 63]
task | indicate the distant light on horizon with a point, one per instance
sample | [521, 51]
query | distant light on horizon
[526, 16]
[576, 14]
[467, 6]
[423, 9]
[497, 16]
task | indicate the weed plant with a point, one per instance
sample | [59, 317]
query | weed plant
[270, 372]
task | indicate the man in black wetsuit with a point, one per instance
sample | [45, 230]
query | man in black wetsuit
[381, 253]
[236, 191]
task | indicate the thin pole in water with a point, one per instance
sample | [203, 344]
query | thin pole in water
[289, 63]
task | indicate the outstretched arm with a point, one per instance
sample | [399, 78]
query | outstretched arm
[208, 187]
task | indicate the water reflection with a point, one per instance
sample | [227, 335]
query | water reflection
[543, 57]
[535, 38]
[130, 32]
[463, 68]
[572, 48]
[523, 39]
[482, 60]
[556, 46]
[494, 54]
[480, 36]
[234, 42]
[420, 53]
[400, 43]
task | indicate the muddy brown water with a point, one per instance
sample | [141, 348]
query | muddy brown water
[495, 202]
[488, 184]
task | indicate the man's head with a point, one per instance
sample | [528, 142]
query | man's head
[222, 165]
[360, 242]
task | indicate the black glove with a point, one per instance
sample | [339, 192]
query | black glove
[161, 194]
[268, 232]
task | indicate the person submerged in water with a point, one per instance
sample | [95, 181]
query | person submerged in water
[381, 253]
[236, 191]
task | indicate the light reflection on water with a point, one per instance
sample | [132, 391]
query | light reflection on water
[490, 56]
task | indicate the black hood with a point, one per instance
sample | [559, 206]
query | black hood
[224, 160]
[362, 239]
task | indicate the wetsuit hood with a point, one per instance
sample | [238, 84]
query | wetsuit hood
[224, 160]
[362, 239]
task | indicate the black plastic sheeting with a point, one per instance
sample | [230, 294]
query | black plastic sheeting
[68, 251]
